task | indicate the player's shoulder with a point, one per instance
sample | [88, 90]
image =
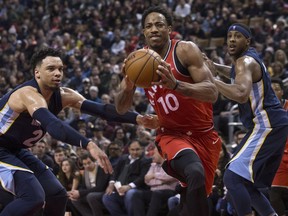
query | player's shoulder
[26, 90]
[186, 45]
[66, 90]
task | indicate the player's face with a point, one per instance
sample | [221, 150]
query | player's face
[237, 43]
[50, 72]
[156, 31]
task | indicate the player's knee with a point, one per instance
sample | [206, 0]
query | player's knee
[36, 200]
[195, 175]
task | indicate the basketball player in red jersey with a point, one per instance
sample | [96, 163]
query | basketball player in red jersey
[278, 193]
[182, 100]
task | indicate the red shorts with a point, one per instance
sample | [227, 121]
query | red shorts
[207, 146]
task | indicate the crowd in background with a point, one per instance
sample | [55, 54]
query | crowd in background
[97, 35]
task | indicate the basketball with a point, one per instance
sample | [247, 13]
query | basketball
[141, 66]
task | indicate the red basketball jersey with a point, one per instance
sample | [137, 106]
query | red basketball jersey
[175, 111]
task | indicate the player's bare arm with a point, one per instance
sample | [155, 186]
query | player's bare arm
[223, 70]
[26, 99]
[190, 57]
[216, 68]
[240, 90]
[73, 99]
[124, 98]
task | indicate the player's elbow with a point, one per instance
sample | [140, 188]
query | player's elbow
[242, 98]
[121, 110]
[213, 95]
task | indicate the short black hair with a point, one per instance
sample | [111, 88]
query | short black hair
[42, 54]
[277, 80]
[87, 156]
[160, 10]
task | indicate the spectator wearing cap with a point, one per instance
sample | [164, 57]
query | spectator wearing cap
[114, 151]
[86, 86]
[99, 138]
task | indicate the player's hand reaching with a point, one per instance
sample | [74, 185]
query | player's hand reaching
[148, 121]
[100, 156]
[167, 78]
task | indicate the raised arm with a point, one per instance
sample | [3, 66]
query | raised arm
[106, 111]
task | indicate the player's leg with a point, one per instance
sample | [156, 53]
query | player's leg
[239, 194]
[56, 196]
[29, 197]
[259, 201]
[188, 165]
[19, 180]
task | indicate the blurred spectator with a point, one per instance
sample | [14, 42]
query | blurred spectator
[114, 151]
[69, 176]
[106, 99]
[118, 44]
[99, 138]
[182, 9]
[162, 187]
[281, 56]
[59, 156]
[88, 198]
[86, 87]
[130, 172]
[121, 137]
[94, 94]
[280, 31]
[39, 150]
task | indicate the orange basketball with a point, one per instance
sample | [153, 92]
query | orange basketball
[141, 66]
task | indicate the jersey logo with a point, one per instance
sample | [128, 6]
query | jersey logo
[214, 142]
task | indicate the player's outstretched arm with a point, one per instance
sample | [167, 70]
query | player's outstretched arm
[216, 68]
[28, 99]
[106, 111]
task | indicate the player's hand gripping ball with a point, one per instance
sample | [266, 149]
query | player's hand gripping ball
[141, 66]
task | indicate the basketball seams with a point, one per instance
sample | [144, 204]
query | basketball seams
[141, 69]
[135, 61]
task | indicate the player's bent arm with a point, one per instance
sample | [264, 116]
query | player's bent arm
[203, 88]
[124, 98]
[223, 69]
[240, 90]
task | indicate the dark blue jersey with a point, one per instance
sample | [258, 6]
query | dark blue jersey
[20, 130]
[263, 107]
